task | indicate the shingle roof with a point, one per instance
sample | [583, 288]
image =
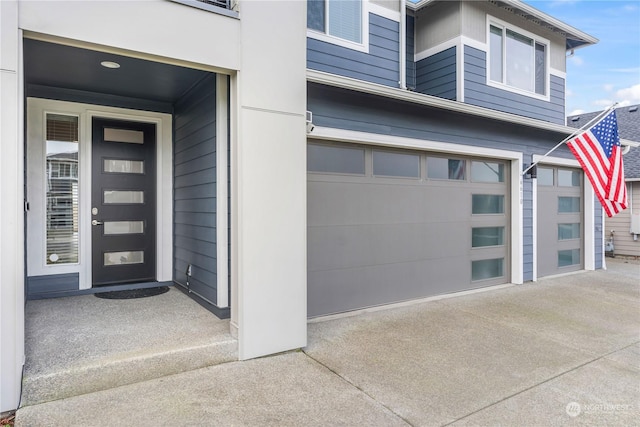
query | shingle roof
[628, 128]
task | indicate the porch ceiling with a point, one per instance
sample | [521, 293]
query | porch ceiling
[65, 67]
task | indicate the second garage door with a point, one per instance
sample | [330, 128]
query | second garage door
[390, 225]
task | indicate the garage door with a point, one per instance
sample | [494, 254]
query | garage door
[390, 225]
[560, 246]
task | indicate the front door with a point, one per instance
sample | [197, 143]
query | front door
[123, 206]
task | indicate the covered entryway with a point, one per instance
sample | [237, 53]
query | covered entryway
[122, 173]
[560, 213]
[388, 225]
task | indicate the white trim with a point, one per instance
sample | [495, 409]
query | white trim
[558, 73]
[555, 161]
[222, 194]
[384, 12]
[589, 211]
[589, 226]
[419, 56]
[459, 41]
[431, 101]
[333, 134]
[534, 228]
[326, 37]
[460, 71]
[37, 108]
[517, 256]
[402, 39]
[491, 20]
[517, 219]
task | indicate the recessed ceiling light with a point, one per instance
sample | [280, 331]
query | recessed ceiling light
[110, 64]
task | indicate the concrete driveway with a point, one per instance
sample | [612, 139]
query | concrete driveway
[562, 351]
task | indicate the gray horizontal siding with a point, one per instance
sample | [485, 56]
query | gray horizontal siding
[380, 65]
[337, 108]
[194, 180]
[477, 92]
[410, 52]
[52, 285]
[436, 75]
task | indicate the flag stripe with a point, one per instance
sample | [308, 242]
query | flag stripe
[598, 152]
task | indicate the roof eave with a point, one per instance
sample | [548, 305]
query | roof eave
[575, 38]
[431, 101]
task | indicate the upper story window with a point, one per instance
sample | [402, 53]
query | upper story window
[338, 21]
[517, 59]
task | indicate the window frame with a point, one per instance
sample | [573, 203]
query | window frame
[326, 37]
[491, 21]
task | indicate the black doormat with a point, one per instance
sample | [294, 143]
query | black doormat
[133, 293]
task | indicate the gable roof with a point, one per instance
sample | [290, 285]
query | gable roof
[574, 37]
[628, 129]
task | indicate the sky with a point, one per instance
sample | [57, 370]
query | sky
[609, 71]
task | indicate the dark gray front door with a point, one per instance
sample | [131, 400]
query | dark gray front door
[123, 202]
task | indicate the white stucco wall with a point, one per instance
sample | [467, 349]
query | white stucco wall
[11, 210]
[156, 28]
[269, 165]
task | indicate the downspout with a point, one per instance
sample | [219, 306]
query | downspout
[403, 45]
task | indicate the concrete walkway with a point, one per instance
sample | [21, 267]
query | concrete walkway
[563, 351]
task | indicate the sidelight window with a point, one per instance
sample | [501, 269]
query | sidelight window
[62, 219]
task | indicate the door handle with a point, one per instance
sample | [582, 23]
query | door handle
[96, 222]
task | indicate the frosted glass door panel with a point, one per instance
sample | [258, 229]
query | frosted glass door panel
[123, 197]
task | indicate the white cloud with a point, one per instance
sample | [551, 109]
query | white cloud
[576, 112]
[631, 95]
[625, 70]
[603, 102]
[608, 87]
[576, 60]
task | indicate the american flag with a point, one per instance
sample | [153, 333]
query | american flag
[598, 151]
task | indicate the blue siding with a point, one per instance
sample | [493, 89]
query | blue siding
[51, 286]
[337, 108]
[598, 225]
[380, 65]
[194, 195]
[436, 75]
[477, 92]
[410, 52]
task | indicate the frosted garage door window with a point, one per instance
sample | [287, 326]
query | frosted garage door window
[487, 269]
[123, 197]
[330, 159]
[568, 204]
[487, 172]
[396, 164]
[487, 236]
[487, 204]
[568, 257]
[568, 231]
[545, 177]
[438, 168]
[567, 178]
[123, 258]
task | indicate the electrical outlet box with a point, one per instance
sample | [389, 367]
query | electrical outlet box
[635, 224]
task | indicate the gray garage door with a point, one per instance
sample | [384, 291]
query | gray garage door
[390, 225]
[560, 220]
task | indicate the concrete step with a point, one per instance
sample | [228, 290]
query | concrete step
[80, 345]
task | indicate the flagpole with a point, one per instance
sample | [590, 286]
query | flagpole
[598, 117]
